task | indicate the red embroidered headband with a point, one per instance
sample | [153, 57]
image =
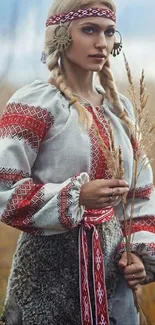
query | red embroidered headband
[81, 13]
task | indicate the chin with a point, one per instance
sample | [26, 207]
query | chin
[92, 67]
[96, 68]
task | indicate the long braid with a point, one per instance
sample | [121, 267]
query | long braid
[107, 82]
[58, 79]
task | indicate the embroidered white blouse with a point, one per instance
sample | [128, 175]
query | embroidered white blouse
[45, 157]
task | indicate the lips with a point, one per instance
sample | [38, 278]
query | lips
[99, 56]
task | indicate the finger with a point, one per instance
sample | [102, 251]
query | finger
[123, 262]
[108, 199]
[137, 276]
[114, 183]
[134, 269]
[111, 192]
[118, 191]
[104, 203]
[133, 284]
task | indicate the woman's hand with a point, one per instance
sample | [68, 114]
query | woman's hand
[135, 273]
[101, 193]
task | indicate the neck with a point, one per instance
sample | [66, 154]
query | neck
[79, 80]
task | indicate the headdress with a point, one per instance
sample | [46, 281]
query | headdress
[61, 39]
[81, 13]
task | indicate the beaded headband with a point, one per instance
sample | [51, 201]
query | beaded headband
[81, 13]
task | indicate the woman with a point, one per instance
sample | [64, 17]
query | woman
[70, 267]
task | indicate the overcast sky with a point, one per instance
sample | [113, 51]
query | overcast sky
[22, 25]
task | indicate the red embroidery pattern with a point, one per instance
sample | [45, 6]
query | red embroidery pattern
[10, 176]
[97, 159]
[64, 202]
[81, 13]
[24, 203]
[90, 221]
[142, 192]
[98, 163]
[26, 122]
[101, 303]
[146, 223]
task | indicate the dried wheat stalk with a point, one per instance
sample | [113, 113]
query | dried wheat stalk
[144, 133]
[144, 136]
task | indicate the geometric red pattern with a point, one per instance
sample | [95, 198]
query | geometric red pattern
[142, 192]
[64, 200]
[90, 221]
[25, 122]
[102, 124]
[9, 176]
[24, 203]
[146, 223]
[80, 13]
[101, 303]
[98, 161]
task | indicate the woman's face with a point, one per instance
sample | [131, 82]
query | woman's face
[92, 42]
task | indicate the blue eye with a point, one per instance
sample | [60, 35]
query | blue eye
[110, 32]
[92, 29]
[89, 30]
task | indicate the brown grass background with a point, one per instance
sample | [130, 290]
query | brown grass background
[8, 236]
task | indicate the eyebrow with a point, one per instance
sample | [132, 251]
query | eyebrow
[96, 25]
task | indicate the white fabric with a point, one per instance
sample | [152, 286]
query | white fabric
[63, 152]
[143, 237]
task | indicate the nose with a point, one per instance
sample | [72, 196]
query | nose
[101, 41]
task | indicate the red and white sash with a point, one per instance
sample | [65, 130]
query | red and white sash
[91, 219]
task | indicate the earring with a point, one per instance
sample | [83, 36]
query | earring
[117, 46]
[61, 38]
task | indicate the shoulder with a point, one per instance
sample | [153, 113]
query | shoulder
[39, 100]
[37, 94]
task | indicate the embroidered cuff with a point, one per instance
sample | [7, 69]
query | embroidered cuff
[70, 211]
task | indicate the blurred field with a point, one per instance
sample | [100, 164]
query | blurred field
[8, 236]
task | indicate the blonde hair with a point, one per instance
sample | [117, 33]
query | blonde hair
[57, 76]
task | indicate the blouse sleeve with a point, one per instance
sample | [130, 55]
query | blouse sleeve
[42, 209]
[143, 223]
